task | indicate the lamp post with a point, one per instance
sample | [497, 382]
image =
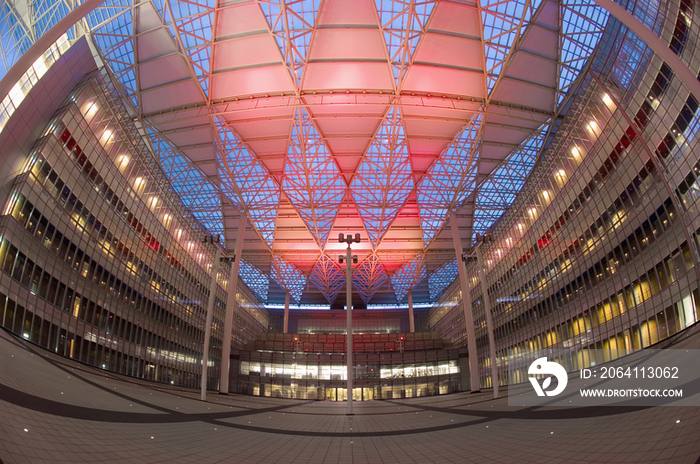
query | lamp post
[348, 258]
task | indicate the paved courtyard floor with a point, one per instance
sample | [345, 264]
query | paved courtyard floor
[54, 410]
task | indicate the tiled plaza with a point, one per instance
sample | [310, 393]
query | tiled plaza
[53, 410]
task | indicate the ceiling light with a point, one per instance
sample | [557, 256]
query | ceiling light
[90, 110]
[593, 128]
[609, 102]
[122, 161]
[577, 153]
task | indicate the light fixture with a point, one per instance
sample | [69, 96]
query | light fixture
[593, 128]
[609, 102]
[106, 136]
[90, 109]
[348, 258]
[139, 184]
[122, 161]
[577, 153]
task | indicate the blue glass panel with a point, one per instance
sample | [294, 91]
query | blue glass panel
[442, 278]
[368, 277]
[47, 13]
[292, 24]
[196, 191]
[14, 38]
[499, 191]
[328, 277]
[114, 39]
[255, 279]
[384, 179]
[501, 20]
[194, 22]
[312, 180]
[247, 183]
[582, 25]
[633, 57]
[288, 276]
[407, 277]
[449, 181]
[402, 23]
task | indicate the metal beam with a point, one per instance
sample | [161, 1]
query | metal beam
[43, 43]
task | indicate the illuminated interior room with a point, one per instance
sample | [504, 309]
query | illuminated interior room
[234, 231]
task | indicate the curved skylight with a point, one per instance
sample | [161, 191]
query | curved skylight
[319, 117]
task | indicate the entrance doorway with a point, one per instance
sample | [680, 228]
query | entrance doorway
[341, 394]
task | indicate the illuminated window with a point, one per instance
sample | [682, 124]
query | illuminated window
[577, 153]
[609, 102]
[593, 129]
[106, 137]
[122, 162]
[139, 184]
[560, 177]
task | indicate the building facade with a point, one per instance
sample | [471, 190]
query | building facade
[598, 256]
[101, 261]
[314, 366]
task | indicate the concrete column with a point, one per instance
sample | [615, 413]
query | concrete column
[411, 320]
[207, 324]
[231, 306]
[489, 321]
[466, 305]
[286, 312]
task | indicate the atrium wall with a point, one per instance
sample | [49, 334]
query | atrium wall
[334, 321]
[314, 366]
[600, 250]
[99, 259]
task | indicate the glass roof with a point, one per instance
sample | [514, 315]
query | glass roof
[315, 117]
